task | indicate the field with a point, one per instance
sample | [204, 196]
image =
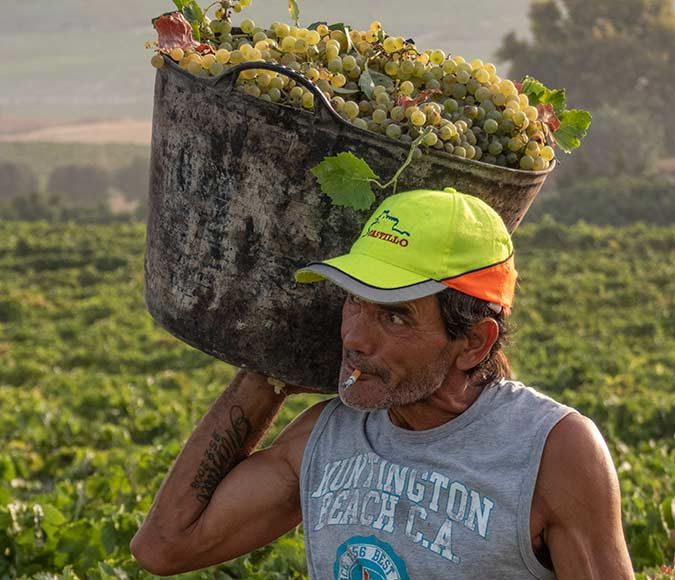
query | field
[96, 399]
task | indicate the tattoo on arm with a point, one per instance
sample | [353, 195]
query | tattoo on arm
[222, 454]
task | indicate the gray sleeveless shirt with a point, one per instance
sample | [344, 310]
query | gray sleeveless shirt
[381, 502]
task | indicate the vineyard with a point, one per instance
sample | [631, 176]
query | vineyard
[96, 399]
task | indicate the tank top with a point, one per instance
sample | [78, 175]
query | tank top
[381, 502]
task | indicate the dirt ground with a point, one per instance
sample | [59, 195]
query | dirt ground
[131, 131]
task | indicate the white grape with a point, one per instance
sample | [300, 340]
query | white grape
[157, 60]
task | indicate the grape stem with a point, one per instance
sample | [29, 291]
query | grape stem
[212, 5]
[393, 181]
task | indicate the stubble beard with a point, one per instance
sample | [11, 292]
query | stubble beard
[377, 390]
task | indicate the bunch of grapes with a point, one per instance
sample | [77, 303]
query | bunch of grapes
[378, 83]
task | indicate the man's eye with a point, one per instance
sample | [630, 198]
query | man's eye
[396, 319]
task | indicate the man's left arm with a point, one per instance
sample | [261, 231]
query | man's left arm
[580, 487]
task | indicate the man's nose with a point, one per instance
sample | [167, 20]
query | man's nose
[359, 331]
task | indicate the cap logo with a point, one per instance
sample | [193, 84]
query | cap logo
[386, 221]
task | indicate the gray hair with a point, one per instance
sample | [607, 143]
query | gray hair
[460, 313]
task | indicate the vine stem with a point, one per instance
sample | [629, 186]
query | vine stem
[393, 181]
[211, 6]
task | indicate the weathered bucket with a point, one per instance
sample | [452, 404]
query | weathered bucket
[234, 211]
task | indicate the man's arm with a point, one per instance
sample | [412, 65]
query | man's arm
[219, 499]
[580, 488]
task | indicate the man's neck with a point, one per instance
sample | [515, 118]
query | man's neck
[444, 405]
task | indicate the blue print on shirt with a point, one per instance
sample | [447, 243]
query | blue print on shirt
[367, 558]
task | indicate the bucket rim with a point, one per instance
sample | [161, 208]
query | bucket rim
[215, 82]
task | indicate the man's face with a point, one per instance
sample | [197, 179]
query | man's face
[402, 351]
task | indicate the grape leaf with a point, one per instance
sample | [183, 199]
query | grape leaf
[315, 25]
[108, 537]
[195, 16]
[380, 79]
[294, 11]
[366, 83]
[343, 91]
[350, 43]
[180, 4]
[52, 516]
[345, 178]
[193, 12]
[339, 26]
[574, 125]
[533, 89]
[557, 100]
[197, 35]
[174, 30]
[668, 513]
[548, 117]
[538, 93]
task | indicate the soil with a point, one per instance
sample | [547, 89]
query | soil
[131, 131]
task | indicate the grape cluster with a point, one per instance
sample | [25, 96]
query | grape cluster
[461, 107]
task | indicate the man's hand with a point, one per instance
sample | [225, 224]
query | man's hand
[220, 500]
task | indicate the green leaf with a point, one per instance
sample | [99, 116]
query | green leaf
[315, 25]
[381, 79]
[53, 517]
[538, 93]
[108, 572]
[180, 4]
[7, 469]
[366, 83]
[343, 91]
[350, 44]
[109, 537]
[294, 11]
[196, 33]
[345, 178]
[574, 125]
[557, 100]
[668, 513]
[68, 573]
[533, 89]
[5, 518]
[195, 16]
[193, 12]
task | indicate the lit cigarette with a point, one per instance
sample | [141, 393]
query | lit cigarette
[351, 380]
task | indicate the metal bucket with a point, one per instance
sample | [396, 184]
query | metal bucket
[234, 211]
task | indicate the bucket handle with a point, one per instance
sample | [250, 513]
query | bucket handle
[324, 110]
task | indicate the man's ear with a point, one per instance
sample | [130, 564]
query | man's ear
[477, 344]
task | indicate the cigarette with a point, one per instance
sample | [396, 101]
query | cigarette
[351, 380]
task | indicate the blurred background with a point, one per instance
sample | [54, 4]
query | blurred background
[96, 399]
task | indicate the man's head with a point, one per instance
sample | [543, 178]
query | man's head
[430, 280]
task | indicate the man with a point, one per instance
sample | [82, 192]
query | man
[432, 464]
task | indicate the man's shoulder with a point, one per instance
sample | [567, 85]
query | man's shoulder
[513, 392]
[576, 466]
[574, 440]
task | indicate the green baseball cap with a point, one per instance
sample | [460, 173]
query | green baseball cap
[421, 242]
